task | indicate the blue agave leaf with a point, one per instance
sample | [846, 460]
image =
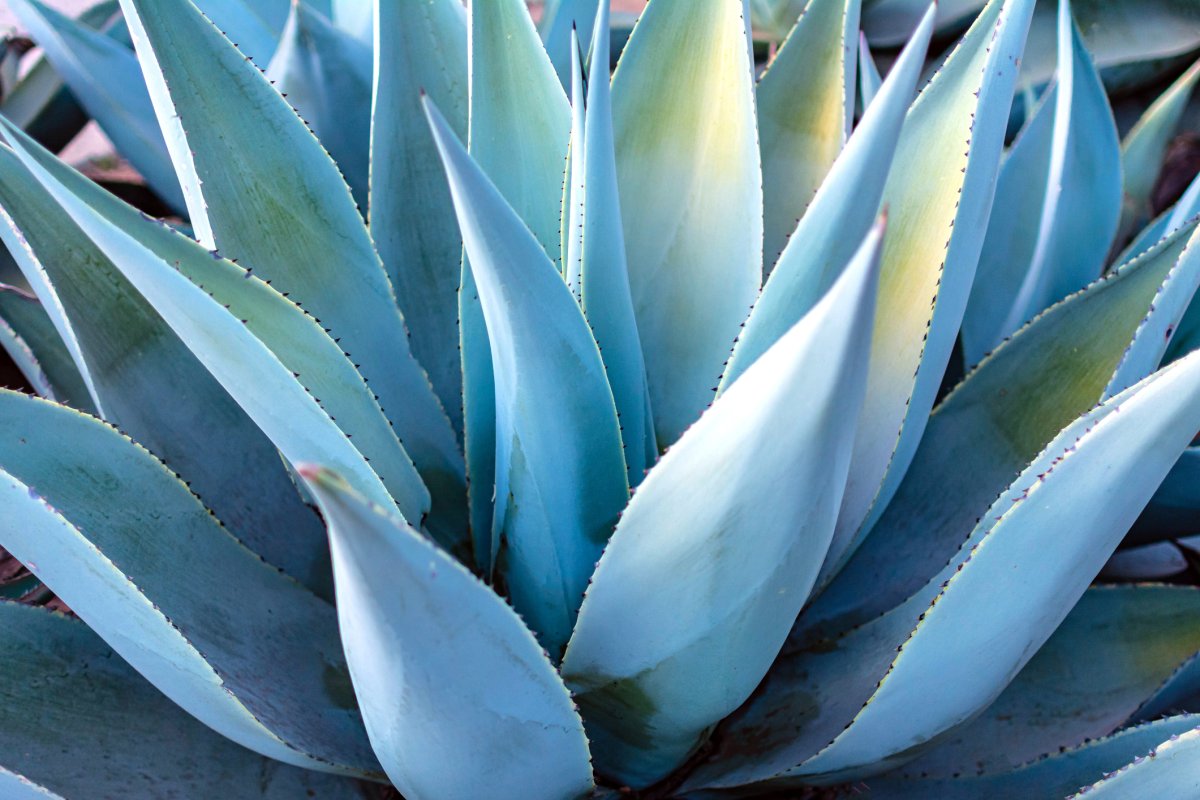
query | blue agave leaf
[888, 23]
[1113, 652]
[326, 75]
[1168, 222]
[711, 562]
[993, 425]
[421, 47]
[22, 355]
[560, 23]
[78, 722]
[1055, 776]
[1175, 509]
[277, 362]
[1144, 147]
[1169, 770]
[354, 16]
[688, 168]
[805, 108]
[1151, 562]
[27, 319]
[596, 266]
[876, 696]
[939, 202]
[869, 80]
[104, 76]
[560, 475]
[239, 148]
[520, 126]
[443, 667]
[143, 377]
[844, 208]
[1065, 246]
[262, 665]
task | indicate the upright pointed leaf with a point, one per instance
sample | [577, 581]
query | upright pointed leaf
[938, 202]
[869, 80]
[104, 75]
[421, 47]
[78, 722]
[805, 108]
[568, 16]
[560, 476]
[1144, 147]
[520, 125]
[688, 168]
[1117, 647]
[262, 665]
[892, 686]
[326, 76]
[239, 149]
[841, 214]
[144, 378]
[444, 667]
[992, 426]
[693, 598]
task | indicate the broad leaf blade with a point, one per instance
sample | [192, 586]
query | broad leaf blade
[79, 722]
[443, 666]
[697, 590]
[1169, 770]
[688, 168]
[261, 665]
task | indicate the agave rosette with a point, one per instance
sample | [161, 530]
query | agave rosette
[616, 400]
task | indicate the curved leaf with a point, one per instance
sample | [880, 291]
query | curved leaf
[1114, 650]
[444, 667]
[240, 149]
[78, 722]
[688, 168]
[1175, 509]
[711, 562]
[992, 426]
[28, 320]
[1168, 771]
[520, 127]
[805, 108]
[142, 375]
[1055, 776]
[422, 47]
[560, 475]
[326, 75]
[938, 202]
[841, 214]
[125, 544]
[878, 695]
[105, 78]
[276, 362]
[1063, 245]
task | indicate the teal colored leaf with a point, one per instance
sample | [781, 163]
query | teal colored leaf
[276, 361]
[888, 23]
[78, 722]
[805, 109]
[557, 26]
[688, 168]
[845, 208]
[262, 665]
[1168, 222]
[1055, 776]
[520, 128]
[774, 18]
[326, 75]
[596, 264]
[23, 358]
[1062, 246]
[939, 196]
[1175, 509]
[353, 16]
[421, 47]
[240, 148]
[444, 667]
[26, 318]
[1144, 147]
[1152, 562]
[869, 79]
[141, 375]
[1111, 654]
[877, 696]
[992, 426]
[253, 25]
[1169, 770]
[560, 475]
[104, 77]
[711, 562]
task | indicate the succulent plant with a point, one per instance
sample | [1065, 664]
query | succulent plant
[619, 402]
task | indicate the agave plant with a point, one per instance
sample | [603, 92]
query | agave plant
[616, 399]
